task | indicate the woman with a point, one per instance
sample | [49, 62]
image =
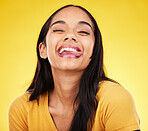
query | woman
[70, 90]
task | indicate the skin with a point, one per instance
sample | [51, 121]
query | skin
[67, 72]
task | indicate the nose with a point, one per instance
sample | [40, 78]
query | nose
[67, 38]
[70, 37]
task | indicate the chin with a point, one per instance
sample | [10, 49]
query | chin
[69, 66]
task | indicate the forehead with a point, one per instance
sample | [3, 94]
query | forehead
[72, 15]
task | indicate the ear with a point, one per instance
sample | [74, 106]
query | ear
[43, 50]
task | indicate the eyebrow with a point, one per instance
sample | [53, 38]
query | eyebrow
[85, 23]
[57, 22]
[63, 22]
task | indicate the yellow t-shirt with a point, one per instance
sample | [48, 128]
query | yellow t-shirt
[115, 112]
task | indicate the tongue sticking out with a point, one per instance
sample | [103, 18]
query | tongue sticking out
[71, 54]
[69, 51]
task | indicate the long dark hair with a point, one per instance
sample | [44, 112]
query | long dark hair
[88, 87]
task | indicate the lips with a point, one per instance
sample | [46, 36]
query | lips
[69, 51]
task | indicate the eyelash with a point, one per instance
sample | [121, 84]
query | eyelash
[58, 30]
[81, 32]
[84, 32]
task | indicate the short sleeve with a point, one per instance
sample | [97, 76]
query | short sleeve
[17, 115]
[118, 110]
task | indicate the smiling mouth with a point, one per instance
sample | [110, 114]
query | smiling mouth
[69, 51]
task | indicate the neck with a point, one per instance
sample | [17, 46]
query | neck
[66, 87]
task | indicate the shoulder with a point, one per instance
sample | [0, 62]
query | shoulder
[20, 101]
[112, 91]
[116, 106]
[18, 113]
[113, 95]
[19, 105]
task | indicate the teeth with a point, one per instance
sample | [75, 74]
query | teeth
[67, 49]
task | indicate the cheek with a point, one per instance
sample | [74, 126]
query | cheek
[88, 46]
[51, 41]
[51, 48]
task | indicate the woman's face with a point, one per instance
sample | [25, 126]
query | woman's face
[70, 40]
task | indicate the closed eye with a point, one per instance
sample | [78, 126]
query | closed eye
[83, 33]
[58, 30]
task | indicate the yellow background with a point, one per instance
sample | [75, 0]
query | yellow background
[124, 27]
